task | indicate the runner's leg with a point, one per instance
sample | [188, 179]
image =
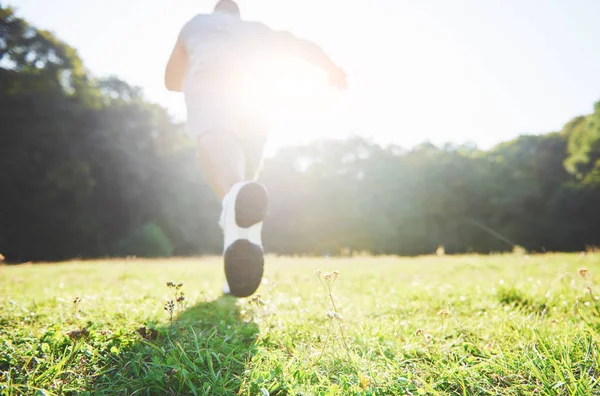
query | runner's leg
[244, 209]
[228, 160]
[222, 160]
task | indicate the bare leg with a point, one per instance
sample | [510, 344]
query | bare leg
[253, 151]
[222, 160]
[226, 161]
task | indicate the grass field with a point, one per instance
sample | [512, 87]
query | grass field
[470, 325]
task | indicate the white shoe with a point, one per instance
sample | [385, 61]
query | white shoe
[226, 288]
[244, 209]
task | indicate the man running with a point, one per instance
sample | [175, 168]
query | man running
[211, 61]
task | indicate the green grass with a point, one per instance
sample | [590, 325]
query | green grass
[472, 325]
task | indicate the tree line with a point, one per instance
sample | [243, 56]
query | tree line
[90, 168]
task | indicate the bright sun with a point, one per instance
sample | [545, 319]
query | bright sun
[293, 97]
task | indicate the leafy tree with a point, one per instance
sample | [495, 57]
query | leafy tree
[584, 147]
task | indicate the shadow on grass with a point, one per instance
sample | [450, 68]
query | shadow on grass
[205, 351]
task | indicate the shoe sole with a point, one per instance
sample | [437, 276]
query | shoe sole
[244, 261]
[251, 205]
[244, 265]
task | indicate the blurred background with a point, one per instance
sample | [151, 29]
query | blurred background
[469, 125]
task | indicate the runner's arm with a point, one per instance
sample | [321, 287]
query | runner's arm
[311, 52]
[176, 67]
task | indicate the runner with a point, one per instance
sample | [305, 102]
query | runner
[212, 57]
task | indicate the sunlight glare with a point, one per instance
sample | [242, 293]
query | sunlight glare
[288, 94]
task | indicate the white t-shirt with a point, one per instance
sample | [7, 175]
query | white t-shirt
[222, 51]
[221, 44]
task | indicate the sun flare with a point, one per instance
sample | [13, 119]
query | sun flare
[290, 95]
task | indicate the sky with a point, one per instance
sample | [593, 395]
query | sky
[461, 71]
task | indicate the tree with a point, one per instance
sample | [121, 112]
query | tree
[583, 134]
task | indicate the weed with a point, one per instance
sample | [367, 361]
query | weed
[170, 308]
[263, 313]
[588, 283]
[327, 280]
[76, 307]
[178, 296]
